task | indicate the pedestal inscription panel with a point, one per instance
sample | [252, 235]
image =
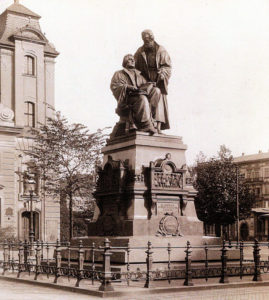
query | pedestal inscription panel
[167, 207]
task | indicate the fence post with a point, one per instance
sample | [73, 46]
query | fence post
[48, 261]
[25, 256]
[42, 250]
[128, 263]
[206, 262]
[12, 256]
[5, 263]
[38, 260]
[257, 267]
[188, 273]
[9, 255]
[93, 262]
[241, 250]
[68, 260]
[106, 271]
[149, 262]
[224, 276]
[169, 262]
[20, 265]
[80, 263]
[58, 262]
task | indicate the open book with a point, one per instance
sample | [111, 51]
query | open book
[144, 89]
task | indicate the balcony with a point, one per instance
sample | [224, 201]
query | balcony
[256, 179]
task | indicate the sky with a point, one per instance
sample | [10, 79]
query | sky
[219, 88]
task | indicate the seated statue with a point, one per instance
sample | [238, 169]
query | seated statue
[154, 63]
[135, 97]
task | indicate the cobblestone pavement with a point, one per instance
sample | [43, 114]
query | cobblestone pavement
[21, 291]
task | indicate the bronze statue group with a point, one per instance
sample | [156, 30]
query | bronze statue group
[141, 88]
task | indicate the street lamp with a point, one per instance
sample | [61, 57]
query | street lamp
[29, 188]
[237, 202]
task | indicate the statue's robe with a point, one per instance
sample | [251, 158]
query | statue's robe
[162, 66]
[138, 105]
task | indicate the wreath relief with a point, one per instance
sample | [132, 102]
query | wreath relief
[169, 226]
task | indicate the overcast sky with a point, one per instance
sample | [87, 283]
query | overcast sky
[219, 89]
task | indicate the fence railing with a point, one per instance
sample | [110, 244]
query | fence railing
[93, 263]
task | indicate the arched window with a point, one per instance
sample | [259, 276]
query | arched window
[29, 65]
[29, 114]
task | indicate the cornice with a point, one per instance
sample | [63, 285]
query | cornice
[23, 38]
[11, 130]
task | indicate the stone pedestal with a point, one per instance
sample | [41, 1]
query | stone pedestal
[144, 190]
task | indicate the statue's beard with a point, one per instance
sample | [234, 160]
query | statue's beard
[149, 46]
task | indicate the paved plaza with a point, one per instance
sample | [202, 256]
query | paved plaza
[21, 291]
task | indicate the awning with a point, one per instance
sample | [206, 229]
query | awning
[263, 216]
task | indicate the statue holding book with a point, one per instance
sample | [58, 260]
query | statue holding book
[136, 97]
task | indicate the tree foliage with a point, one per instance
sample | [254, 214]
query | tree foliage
[66, 156]
[216, 182]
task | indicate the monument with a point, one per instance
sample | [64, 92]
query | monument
[144, 191]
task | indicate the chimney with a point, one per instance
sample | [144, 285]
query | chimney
[243, 153]
[260, 151]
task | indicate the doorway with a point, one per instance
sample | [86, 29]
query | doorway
[26, 216]
[244, 232]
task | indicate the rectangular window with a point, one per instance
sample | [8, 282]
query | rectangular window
[29, 65]
[266, 172]
[266, 188]
[242, 176]
[257, 191]
[29, 114]
[256, 174]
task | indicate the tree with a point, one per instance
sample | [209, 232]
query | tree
[66, 156]
[216, 182]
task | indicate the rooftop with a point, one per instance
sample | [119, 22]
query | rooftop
[17, 21]
[252, 157]
[18, 8]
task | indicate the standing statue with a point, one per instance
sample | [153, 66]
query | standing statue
[135, 97]
[154, 63]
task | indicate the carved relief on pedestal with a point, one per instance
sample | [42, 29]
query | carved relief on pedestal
[169, 225]
[110, 188]
[166, 178]
[165, 174]
[111, 176]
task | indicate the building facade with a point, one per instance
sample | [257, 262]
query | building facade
[255, 171]
[27, 62]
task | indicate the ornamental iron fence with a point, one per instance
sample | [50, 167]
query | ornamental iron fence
[93, 263]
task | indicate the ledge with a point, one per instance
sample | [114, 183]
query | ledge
[139, 138]
[10, 130]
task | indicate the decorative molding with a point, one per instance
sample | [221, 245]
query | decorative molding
[30, 34]
[165, 174]
[169, 225]
[6, 115]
